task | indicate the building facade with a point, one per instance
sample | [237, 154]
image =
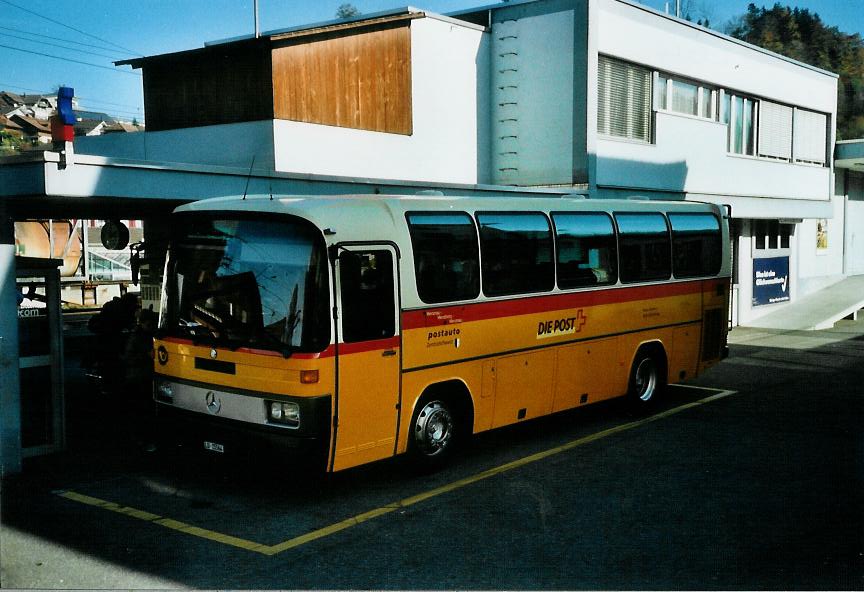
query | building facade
[604, 95]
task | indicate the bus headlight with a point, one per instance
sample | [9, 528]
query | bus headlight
[164, 391]
[283, 413]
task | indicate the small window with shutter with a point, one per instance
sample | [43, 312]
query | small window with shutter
[810, 136]
[775, 130]
[623, 100]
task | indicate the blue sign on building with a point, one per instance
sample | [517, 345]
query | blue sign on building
[770, 280]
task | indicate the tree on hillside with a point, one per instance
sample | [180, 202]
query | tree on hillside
[346, 11]
[801, 35]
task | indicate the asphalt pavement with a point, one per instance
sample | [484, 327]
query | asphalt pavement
[749, 477]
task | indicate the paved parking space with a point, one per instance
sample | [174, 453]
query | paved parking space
[757, 489]
[299, 537]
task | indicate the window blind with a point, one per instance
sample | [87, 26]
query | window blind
[623, 99]
[811, 130]
[775, 130]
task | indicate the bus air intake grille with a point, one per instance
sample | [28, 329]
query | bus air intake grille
[712, 326]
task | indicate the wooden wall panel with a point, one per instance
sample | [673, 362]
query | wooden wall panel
[357, 79]
[221, 84]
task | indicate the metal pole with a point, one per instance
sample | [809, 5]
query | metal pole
[10, 385]
[257, 30]
[678, 8]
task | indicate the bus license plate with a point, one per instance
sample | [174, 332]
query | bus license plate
[213, 446]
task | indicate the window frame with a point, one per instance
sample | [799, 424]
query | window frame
[475, 226]
[614, 235]
[605, 90]
[719, 245]
[483, 264]
[665, 87]
[621, 235]
[781, 241]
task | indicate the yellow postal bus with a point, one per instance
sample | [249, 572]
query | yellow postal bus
[355, 328]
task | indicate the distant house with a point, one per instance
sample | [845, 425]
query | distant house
[93, 123]
[89, 127]
[121, 127]
[36, 106]
[9, 125]
[94, 115]
[39, 132]
[9, 102]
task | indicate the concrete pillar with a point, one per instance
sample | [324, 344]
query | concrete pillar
[10, 387]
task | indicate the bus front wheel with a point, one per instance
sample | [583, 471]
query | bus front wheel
[433, 432]
[646, 381]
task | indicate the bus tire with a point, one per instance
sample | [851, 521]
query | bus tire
[647, 379]
[434, 432]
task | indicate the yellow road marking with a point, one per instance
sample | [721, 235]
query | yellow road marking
[366, 516]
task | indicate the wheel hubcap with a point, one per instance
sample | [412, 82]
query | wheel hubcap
[434, 428]
[646, 379]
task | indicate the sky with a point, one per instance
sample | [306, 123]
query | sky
[98, 32]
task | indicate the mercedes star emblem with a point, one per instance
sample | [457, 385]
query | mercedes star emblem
[213, 402]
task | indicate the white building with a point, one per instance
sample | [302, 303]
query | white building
[606, 95]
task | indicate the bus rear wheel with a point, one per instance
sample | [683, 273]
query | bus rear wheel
[646, 381]
[434, 432]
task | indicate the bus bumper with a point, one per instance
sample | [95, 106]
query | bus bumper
[246, 441]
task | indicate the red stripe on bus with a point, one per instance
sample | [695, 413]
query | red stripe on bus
[367, 346]
[447, 315]
[327, 353]
[344, 348]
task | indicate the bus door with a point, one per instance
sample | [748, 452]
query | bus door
[368, 354]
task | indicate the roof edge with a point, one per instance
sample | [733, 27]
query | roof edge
[725, 37]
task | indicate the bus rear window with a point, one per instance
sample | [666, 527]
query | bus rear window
[696, 248]
[446, 256]
[517, 253]
[587, 254]
[643, 247]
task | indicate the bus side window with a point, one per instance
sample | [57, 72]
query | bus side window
[446, 256]
[696, 248]
[368, 299]
[644, 247]
[586, 250]
[516, 253]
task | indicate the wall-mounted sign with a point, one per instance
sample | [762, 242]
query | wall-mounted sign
[770, 280]
[822, 235]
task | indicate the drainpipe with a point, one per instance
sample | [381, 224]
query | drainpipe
[257, 29]
[845, 218]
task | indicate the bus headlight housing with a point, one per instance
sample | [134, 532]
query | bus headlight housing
[164, 391]
[284, 413]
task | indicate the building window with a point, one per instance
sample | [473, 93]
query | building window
[771, 234]
[739, 114]
[810, 136]
[775, 130]
[446, 256]
[688, 98]
[623, 100]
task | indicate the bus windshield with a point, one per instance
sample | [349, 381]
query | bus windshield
[247, 283]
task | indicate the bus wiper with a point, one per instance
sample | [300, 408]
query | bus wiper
[274, 343]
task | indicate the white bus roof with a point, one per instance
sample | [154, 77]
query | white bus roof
[378, 217]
